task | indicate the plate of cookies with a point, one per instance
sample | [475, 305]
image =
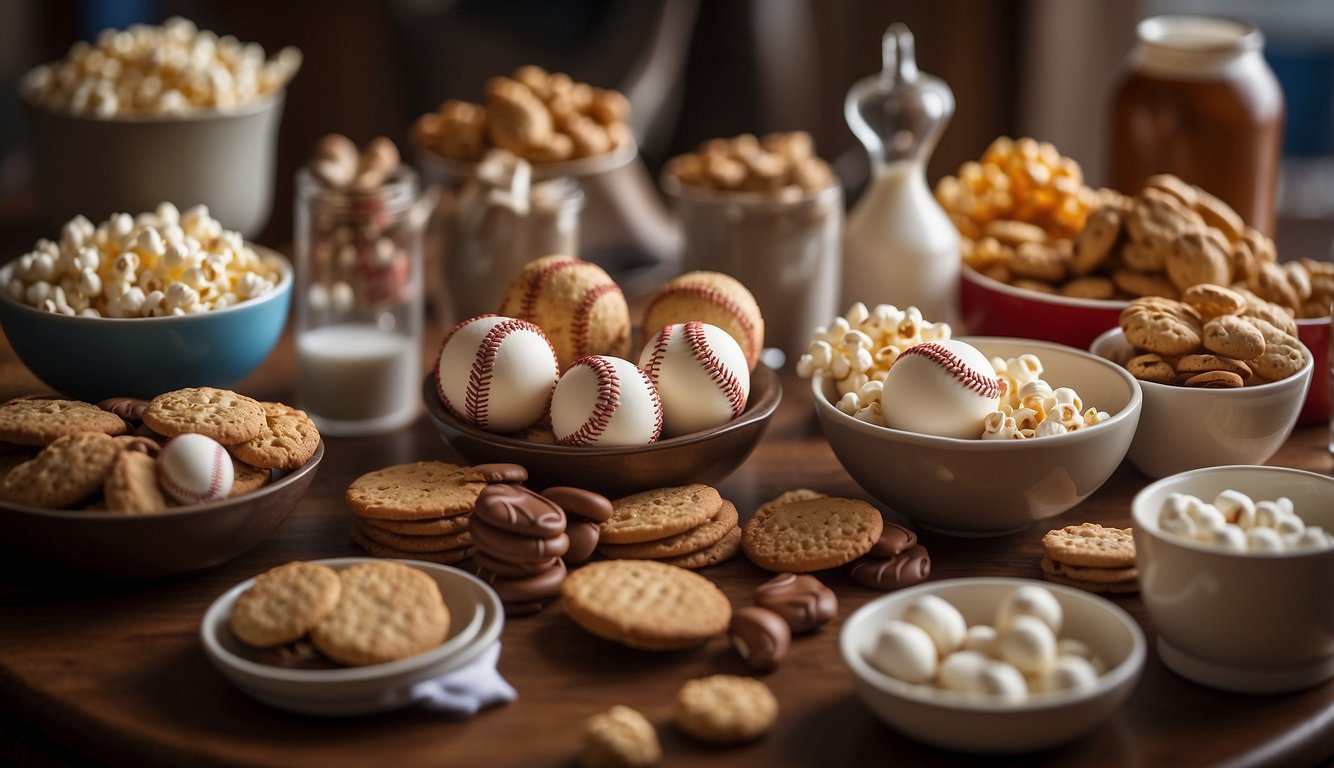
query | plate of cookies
[350, 636]
[136, 489]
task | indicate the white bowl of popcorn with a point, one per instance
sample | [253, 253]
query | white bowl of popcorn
[158, 113]
[1236, 568]
[1011, 470]
[140, 305]
[992, 665]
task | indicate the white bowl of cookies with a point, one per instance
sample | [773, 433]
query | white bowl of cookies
[992, 665]
[354, 635]
[1224, 378]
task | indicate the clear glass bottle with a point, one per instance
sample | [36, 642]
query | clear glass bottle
[359, 303]
[900, 247]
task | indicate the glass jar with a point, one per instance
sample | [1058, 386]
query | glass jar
[359, 303]
[1195, 98]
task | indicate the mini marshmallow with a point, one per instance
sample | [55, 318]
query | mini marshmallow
[1311, 538]
[961, 670]
[1068, 673]
[1264, 540]
[941, 620]
[1289, 526]
[1034, 601]
[1227, 537]
[981, 638]
[905, 652]
[1236, 507]
[1028, 643]
[1002, 681]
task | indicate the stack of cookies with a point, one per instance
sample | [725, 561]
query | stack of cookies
[416, 511]
[520, 538]
[1091, 557]
[689, 526]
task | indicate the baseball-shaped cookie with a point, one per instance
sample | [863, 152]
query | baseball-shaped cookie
[602, 400]
[194, 468]
[710, 297]
[496, 372]
[575, 303]
[943, 388]
[701, 375]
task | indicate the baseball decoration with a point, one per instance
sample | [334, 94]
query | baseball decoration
[714, 298]
[603, 400]
[496, 372]
[575, 303]
[701, 376]
[195, 468]
[944, 388]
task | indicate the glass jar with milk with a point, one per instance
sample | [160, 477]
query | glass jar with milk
[900, 247]
[359, 303]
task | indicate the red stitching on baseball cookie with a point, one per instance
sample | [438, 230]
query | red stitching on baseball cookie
[440, 354]
[477, 399]
[539, 279]
[986, 386]
[604, 407]
[721, 375]
[583, 317]
[723, 301]
[653, 368]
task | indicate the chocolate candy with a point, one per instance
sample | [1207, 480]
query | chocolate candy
[499, 473]
[129, 408]
[760, 635]
[584, 536]
[537, 588]
[581, 503]
[905, 569]
[141, 444]
[512, 546]
[511, 568]
[517, 510]
[893, 540]
[802, 601]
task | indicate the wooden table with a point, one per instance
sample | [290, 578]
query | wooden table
[116, 674]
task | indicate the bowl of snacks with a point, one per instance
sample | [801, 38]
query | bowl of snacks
[992, 665]
[974, 436]
[129, 489]
[316, 658]
[138, 305]
[1218, 389]
[158, 113]
[1236, 565]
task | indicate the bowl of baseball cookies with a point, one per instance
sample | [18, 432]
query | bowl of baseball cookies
[139, 305]
[129, 489]
[555, 381]
[971, 436]
[355, 636]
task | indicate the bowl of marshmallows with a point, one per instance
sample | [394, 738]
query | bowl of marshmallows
[554, 381]
[992, 665]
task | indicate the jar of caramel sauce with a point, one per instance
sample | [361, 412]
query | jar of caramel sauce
[1195, 98]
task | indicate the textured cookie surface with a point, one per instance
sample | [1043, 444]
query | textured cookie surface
[706, 535]
[645, 604]
[621, 737]
[287, 440]
[386, 611]
[284, 603]
[405, 543]
[424, 489]
[811, 535]
[1091, 545]
[725, 709]
[131, 486]
[67, 471]
[246, 478]
[660, 513]
[376, 549]
[720, 551]
[39, 421]
[221, 414]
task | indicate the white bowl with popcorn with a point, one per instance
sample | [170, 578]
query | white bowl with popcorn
[1236, 569]
[992, 665]
[1012, 469]
[139, 305]
[158, 113]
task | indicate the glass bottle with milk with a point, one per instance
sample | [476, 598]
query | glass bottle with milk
[900, 248]
[359, 303]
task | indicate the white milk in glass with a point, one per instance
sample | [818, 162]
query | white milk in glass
[357, 378]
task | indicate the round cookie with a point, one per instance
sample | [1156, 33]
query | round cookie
[659, 513]
[575, 302]
[287, 440]
[1284, 354]
[621, 737]
[376, 549]
[1196, 257]
[132, 485]
[246, 478]
[1213, 300]
[1090, 545]
[607, 599]
[1213, 380]
[221, 414]
[438, 526]
[1204, 363]
[39, 421]
[711, 297]
[705, 535]
[1168, 328]
[725, 709]
[812, 535]
[1083, 573]
[405, 543]
[386, 611]
[720, 551]
[67, 471]
[417, 491]
[1232, 336]
[284, 603]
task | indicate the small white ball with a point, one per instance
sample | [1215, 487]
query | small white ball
[1069, 673]
[981, 638]
[941, 620]
[1028, 644]
[904, 651]
[701, 375]
[194, 468]
[603, 400]
[943, 388]
[1002, 681]
[1033, 601]
[496, 373]
[1264, 540]
[961, 671]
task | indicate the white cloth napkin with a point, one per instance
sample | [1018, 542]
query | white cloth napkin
[466, 691]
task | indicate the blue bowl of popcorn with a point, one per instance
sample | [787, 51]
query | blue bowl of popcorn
[143, 316]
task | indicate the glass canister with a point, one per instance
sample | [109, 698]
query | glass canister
[359, 303]
[1195, 98]
[901, 248]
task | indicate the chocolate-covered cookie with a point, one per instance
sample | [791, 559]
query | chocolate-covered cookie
[581, 503]
[517, 510]
[584, 535]
[511, 546]
[510, 569]
[760, 636]
[910, 567]
[893, 540]
[131, 409]
[801, 600]
[537, 588]
[497, 473]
